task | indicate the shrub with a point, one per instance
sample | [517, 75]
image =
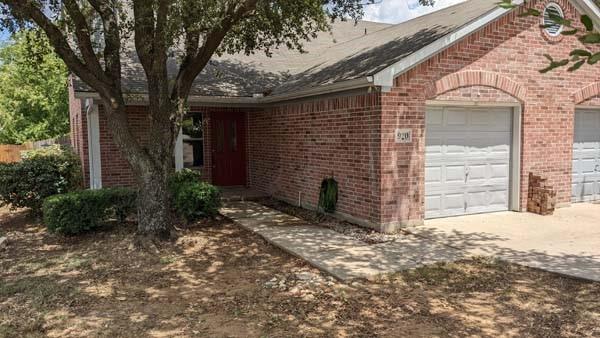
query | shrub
[193, 199]
[183, 178]
[41, 173]
[84, 210]
[328, 195]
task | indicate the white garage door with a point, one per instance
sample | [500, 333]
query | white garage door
[586, 156]
[467, 160]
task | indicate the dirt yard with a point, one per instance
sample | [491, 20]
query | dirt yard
[221, 281]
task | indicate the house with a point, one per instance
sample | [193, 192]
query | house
[442, 115]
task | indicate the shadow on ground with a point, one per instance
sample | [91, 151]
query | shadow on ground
[213, 282]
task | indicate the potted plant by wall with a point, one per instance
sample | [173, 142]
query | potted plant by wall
[328, 195]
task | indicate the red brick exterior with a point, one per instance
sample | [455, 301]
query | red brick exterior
[506, 55]
[292, 146]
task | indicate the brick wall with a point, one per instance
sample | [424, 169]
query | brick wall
[292, 147]
[114, 167]
[476, 93]
[506, 56]
[78, 132]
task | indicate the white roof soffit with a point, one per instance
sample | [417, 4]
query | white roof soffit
[363, 82]
[385, 78]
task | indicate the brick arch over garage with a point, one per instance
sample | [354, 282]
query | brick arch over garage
[590, 91]
[476, 78]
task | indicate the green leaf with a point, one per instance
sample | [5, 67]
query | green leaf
[506, 4]
[554, 64]
[587, 22]
[590, 38]
[576, 66]
[571, 32]
[580, 52]
[546, 70]
[594, 58]
[559, 20]
[530, 12]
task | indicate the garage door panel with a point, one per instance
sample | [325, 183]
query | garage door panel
[588, 166]
[454, 173]
[499, 197]
[433, 204]
[433, 174]
[467, 160]
[456, 118]
[434, 117]
[586, 156]
[499, 170]
[478, 172]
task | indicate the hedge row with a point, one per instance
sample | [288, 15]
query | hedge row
[85, 210]
[41, 173]
[80, 211]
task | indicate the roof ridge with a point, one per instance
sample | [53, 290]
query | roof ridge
[392, 26]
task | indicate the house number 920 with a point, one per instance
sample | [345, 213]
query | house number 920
[403, 136]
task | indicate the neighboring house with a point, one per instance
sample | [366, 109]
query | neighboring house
[442, 115]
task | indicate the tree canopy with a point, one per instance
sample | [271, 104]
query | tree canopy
[33, 90]
[91, 35]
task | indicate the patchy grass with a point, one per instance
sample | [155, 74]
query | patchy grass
[218, 280]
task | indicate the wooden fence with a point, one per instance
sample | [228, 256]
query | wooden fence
[64, 141]
[12, 153]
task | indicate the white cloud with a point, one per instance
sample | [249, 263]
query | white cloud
[395, 11]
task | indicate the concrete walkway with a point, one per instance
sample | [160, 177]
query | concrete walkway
[341, 256]
[567, 242]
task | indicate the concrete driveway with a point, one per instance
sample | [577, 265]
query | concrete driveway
[567, 242]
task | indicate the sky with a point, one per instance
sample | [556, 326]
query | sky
[395, 11]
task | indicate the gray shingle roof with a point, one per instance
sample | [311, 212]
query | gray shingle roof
[346, 53]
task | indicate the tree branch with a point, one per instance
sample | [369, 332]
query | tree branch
[112, 41]
[192, 65]
[144, 32]
[82, 33]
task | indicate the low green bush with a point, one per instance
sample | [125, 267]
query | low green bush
[193, 199]
[41, 173]
[182, 178]
[85, 210]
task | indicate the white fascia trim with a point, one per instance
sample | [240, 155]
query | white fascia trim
[256, 101]
[589, 7]
[341, 86]
[93, 132]
[385, 78]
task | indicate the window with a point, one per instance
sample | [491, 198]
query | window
[552, 14]
[193, 142]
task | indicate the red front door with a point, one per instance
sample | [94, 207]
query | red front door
[229, 148]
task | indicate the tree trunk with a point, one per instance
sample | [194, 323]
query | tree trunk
[154, 221]
[151, 163]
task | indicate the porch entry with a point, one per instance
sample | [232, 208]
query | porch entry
[229, 148]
